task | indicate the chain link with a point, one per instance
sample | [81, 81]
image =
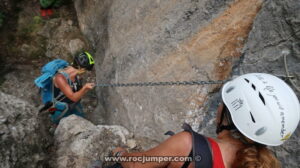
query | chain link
[146, 84]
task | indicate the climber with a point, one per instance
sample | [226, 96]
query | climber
[47, 7]
[258, 110]
[62, 88]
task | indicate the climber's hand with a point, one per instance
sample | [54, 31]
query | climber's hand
[89, 86]
[119, 151]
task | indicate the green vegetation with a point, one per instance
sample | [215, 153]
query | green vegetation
[26, 31]
[46, 3]
[27, 43]
[34, 25]
[58, 3]
[37, 20]
[51, 3]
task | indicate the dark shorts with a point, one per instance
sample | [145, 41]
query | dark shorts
[77, 110]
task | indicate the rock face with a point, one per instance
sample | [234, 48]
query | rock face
[22, 141]
[64, 38]
[163, 41]
[274, 37]
[79, 142]
[275, 33]
[141, 41]
[19, 83]
[185, 40]
[6, 5]
[27, 38]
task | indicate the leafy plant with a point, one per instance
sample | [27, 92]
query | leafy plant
[46, 3]
[37, 20]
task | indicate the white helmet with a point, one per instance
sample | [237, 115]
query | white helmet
[262, 107]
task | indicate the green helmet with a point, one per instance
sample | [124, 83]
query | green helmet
[84, 60]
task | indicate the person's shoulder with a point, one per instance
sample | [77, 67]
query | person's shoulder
[181, 143]
[184, 137]
[58, 78]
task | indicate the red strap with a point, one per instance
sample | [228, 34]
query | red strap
[217, 155]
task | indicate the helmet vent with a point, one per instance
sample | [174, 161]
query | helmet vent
[261, 131]
[229, 89]
[246, 80]
[253, 86]
[252, 117]
[262, 98]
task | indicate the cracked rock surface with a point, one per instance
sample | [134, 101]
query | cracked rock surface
[23, 139]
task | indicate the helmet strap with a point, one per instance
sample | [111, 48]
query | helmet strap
[75, 64]
[220, 128]
[225, 115]
[81, 70]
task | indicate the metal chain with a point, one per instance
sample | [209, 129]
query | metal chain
[145, 84]
[178, 83]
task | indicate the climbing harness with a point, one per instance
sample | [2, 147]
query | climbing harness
[146, 84]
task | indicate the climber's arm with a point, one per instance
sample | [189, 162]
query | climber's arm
[61, 82]
[177, 145]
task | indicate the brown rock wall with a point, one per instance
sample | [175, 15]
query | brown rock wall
[163, 41]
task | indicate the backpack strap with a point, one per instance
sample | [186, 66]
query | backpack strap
[65, 75]
[187, 163]
[60, 96]
[171, 133]
[202, 154]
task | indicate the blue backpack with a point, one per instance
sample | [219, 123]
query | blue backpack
[44, 82]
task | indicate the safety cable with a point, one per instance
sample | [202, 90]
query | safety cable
[177, 83]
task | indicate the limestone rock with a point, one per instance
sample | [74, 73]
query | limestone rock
[276, 32]
[188, 40]
[76, 45]
[21, 139]
[131, 143]
[163, 41]
[19, 83]
[64, 38]
[79, 142]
